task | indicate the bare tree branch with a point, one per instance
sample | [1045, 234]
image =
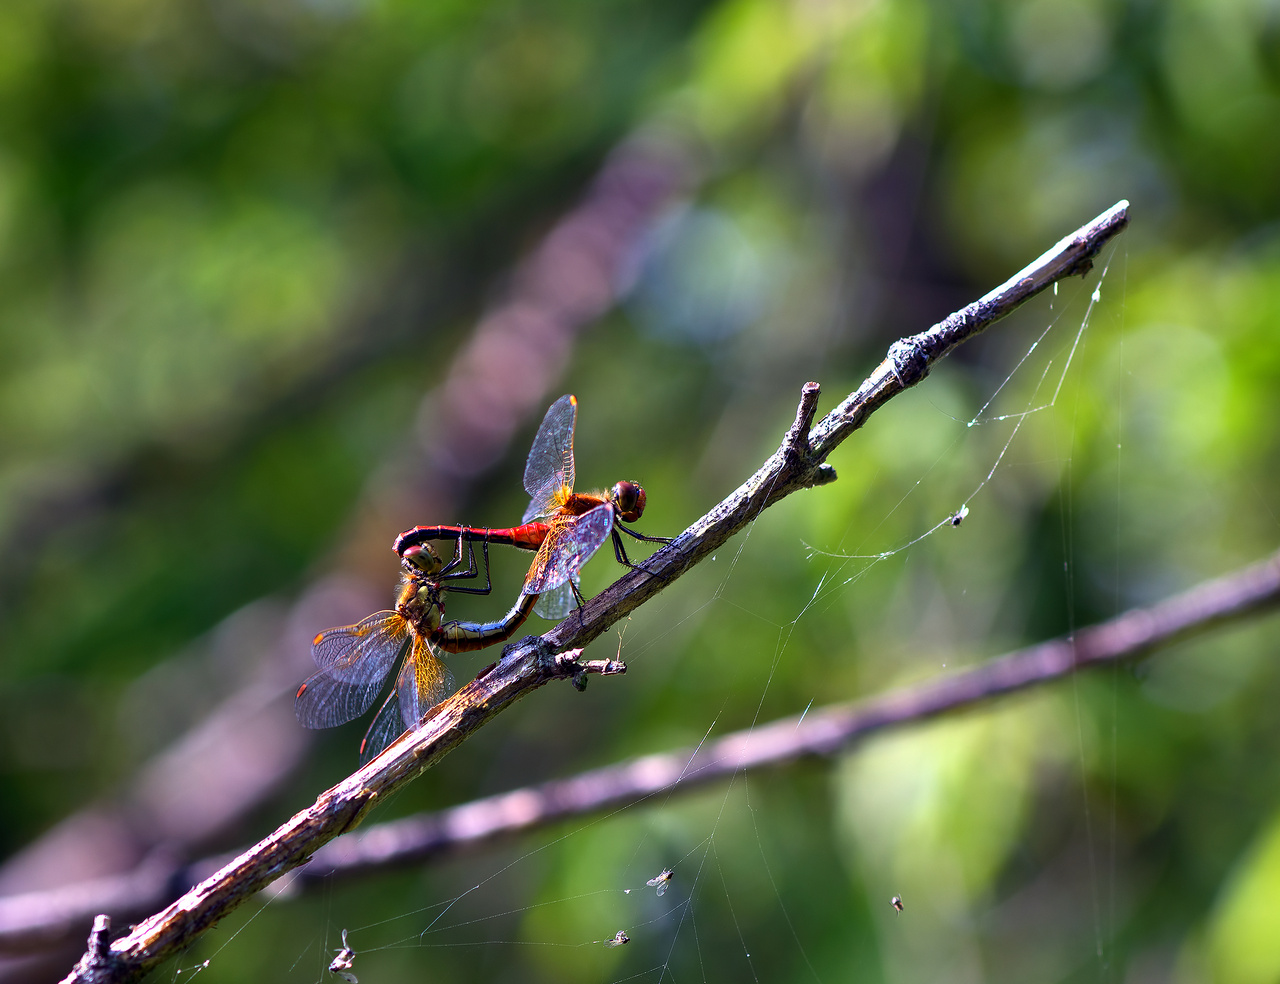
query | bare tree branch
[531, 663]
[25, 920]
[825, 732]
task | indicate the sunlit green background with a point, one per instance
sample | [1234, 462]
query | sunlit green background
[240, 241]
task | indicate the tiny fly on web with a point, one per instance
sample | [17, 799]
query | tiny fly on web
[341, 964]
[661, 880]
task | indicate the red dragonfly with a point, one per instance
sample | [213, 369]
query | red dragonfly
[354, 660]
[564, 526]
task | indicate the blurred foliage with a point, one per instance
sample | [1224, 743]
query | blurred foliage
[238, 242]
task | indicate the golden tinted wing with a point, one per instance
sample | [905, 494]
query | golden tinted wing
[354, 660]
[346, 651]
[423, 683]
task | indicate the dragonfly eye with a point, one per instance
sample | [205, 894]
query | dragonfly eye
[628, 497]
[421, 558]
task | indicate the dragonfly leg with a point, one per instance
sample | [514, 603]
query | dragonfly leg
[647, 539]
[577, 596]
[472, 570]
[620, 551]
[447, 570]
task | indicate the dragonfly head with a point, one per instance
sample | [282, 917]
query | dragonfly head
[421, 559]
[628, 499]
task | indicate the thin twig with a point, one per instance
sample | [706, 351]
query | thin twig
[96, 957]
[531, 663]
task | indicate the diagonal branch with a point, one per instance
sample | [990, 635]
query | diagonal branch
[824, 733]
[797, 465]
[532, 662]
[25, 920]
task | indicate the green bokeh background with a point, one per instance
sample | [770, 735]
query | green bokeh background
[239, 241]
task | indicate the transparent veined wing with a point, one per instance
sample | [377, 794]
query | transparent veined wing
[569, 544]
[350, 683]
[661, 881]
[423, 682]
[346, 652]
[385, 728]
[558, 602]
[549, 468]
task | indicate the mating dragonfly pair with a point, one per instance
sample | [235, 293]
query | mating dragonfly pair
[563, 526]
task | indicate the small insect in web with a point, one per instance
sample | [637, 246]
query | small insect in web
[958, 516]
[341, 964]
[661, 880]
[896, 902]
[620, 940]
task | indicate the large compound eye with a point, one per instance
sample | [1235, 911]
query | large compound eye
[628, 497]
[421, 558]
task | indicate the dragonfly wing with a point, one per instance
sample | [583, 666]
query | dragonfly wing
[424, 682]
[568, 546]
[347, 689]
[385, 728]
[353, 661]
[550, 465]
[354, 651]
[558, 602]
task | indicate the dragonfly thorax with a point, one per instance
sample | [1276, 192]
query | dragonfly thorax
[419, 603]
